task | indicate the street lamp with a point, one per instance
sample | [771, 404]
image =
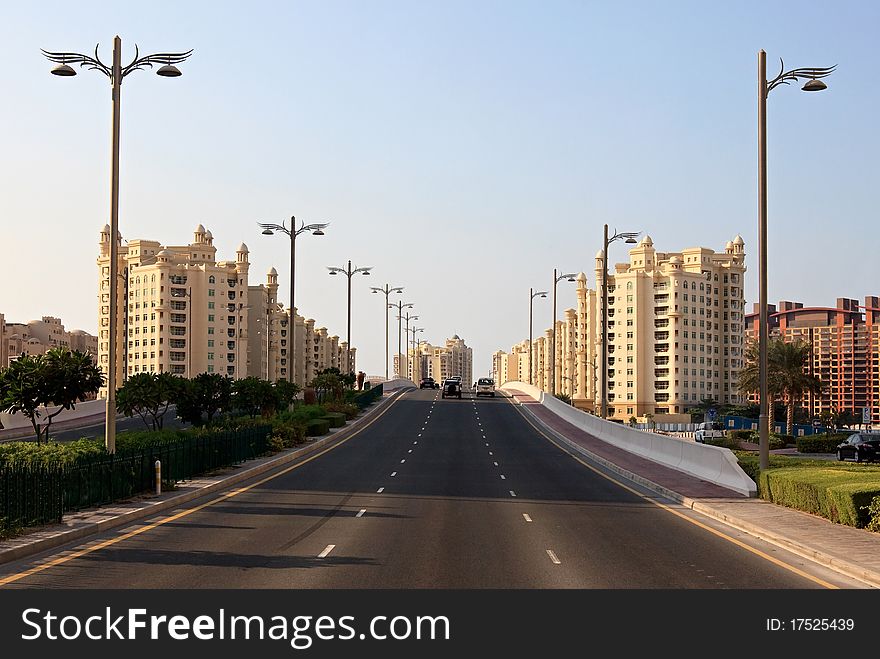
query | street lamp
[387, 290]
[400, 306]
[532, 296]
[813, 84]
[408, 318]
[556, 280]
[116, 72]
[349, 272]
[630, 238]
[292, 233]
[416, 358]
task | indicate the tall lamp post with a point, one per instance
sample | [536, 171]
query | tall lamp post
[628, 237]
[416, 358]
[556, 280]
[532, 295]
[115, 72]
[349, 272]
[400, 306]
[813, 84]
[269, 230]
[388, 290]
[408, 317]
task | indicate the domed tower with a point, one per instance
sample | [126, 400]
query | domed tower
[272, 285]
[199, 235]
[209, 238]
[241, 261]
[739, 247]
[104, 242]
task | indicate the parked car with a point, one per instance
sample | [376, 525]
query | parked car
[708, 430]
[451, 389]
[428, 383]
[861, 447]
[485, 387]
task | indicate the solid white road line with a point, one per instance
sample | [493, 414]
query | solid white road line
[526, 517]
[512, 493]
[553, 558]
[361, 512]
[380, 490]
[326, 551]
[394, 473]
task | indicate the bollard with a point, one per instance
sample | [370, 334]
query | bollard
[158, 477]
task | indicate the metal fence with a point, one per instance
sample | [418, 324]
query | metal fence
[33, 495]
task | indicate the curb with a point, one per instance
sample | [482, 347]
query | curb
[92, 528]
[804, 551]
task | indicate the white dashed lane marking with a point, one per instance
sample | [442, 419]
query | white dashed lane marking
[526, 517]
[553, 558]
[326, 551]
[394, 473]
[512, 493]
[380, 490]
[361, 512]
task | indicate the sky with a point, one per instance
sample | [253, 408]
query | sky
[462, 149]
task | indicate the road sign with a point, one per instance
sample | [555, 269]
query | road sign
[712, 413]
[866, 415]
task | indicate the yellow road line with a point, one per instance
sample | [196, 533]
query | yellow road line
[149, 527]
[681, 515]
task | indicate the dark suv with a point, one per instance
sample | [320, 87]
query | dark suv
[451, 389]
[428, 383]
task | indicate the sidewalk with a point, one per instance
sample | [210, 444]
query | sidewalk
[81, 524]
[850, 551]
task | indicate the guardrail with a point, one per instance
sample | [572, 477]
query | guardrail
[710, 463]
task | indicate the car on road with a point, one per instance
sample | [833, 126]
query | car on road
[451, 389]
[861, 447]
[428, 383]
[485, 387]
[708, 431]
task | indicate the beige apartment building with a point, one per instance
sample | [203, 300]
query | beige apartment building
[182, 311]
[440, 362]
[38, 336]
[675, 333]
[845, 345]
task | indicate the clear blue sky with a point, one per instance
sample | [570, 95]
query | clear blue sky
[464, 149]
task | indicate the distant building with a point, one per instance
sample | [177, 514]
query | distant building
[38, 336]
[845, 344]
[441, 362]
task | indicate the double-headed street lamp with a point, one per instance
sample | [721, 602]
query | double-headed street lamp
[348, 272]
[400, 306]
[408, 317]
[116, 72]
[813, 84]
[388, 290]
[269, 230]
[416, 357]
[532, 296]
[556, 280]
[628, 237]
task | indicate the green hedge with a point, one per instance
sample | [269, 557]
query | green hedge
[836, 494]
[826, 443]
[336, 419]
[317, 427]
[741, 435]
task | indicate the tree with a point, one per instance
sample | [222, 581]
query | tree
[148, 395]
[701, 410]
[60, 377]
[255, 396]
[203, 396]
[328, 384]
[786, 379]
[286, 391]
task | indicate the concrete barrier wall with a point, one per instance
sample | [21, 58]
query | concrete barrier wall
[710, 463]
[84, 409]
[398, 383]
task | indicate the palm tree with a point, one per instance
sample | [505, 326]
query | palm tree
[785, 375]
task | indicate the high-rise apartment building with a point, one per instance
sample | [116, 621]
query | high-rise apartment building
[675, 333]
[441, 362]
[845, 351]
[182, 311]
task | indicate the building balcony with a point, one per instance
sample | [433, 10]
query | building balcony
[661, 336]
[661, 398]
[661, 361]
[660, 311]
[661, 384]
[661, 299]
[178, 292]
[660, 323]
[177, 279]
[661, 347]
[661, 372]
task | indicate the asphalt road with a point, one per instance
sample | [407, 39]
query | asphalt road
[433, 494]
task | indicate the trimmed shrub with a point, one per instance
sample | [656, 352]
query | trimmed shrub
[825, 443]
[336, 419]
[873, 510]
[350, 411]
[785, 439]
[836, 494]
[741, 435]
[317, 427]
[776, 441]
